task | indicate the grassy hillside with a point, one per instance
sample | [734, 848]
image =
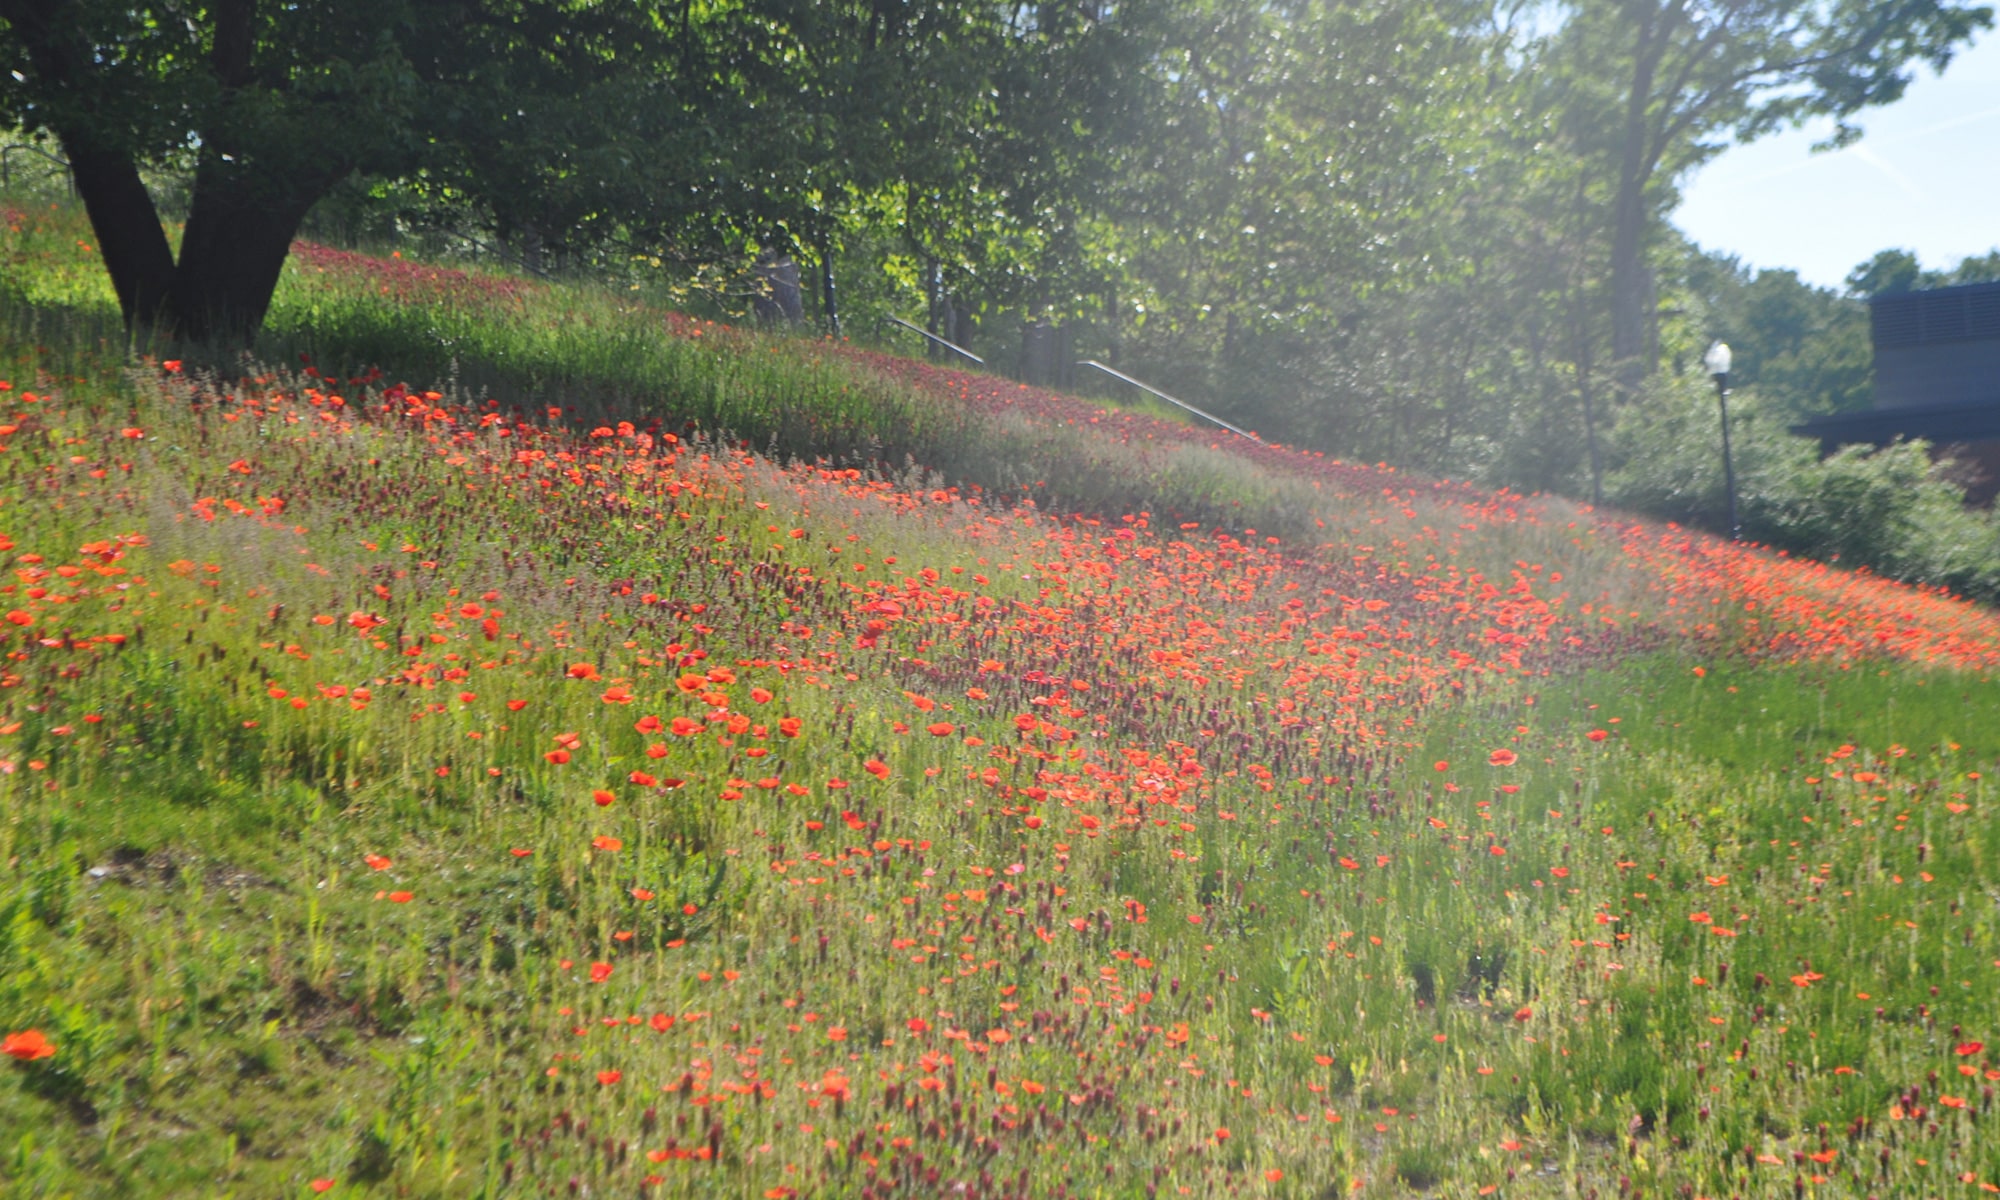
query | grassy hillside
[497, 783]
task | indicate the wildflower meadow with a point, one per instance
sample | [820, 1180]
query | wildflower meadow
[511, 740]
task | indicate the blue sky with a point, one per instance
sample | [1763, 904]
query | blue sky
[1925, 178]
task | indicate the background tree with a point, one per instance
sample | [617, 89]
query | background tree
[1301, 158]
[1659, 84]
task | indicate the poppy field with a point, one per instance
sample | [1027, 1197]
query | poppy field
[411, 786]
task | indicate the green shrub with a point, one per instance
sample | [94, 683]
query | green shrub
[1892, 509]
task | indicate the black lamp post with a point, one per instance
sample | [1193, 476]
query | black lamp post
[1717, 360]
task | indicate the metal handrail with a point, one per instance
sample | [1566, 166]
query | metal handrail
[1148, 388]
[6, 160]
[955, 349]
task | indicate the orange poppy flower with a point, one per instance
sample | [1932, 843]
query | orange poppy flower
[27, 1046]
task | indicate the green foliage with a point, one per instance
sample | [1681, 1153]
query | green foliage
[1892, 272]
[1892, 510]
[1804, 350]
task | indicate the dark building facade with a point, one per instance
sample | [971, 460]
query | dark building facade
[1937, 377]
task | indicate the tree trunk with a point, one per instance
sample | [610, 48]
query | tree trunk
[1586, 392]
[1630, 321]
[129, 237]
[245, 212]
[238, 233]
[829, 300]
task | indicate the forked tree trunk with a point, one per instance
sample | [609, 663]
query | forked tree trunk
[245, 212]
[238, 233]
[232, 252]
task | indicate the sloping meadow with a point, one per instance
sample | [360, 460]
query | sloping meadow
[406, 793]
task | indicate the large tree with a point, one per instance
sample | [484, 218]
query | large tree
[562, 123]
[270, 105]
[1658, 85]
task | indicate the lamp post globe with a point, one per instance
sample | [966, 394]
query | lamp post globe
[1717, 359]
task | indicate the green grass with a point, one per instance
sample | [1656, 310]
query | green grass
[279, 933]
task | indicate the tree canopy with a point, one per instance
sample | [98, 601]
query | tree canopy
[557, 123]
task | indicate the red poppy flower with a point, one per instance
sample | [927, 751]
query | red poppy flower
[610, 844]
[607, 1078]
[600, 971]
[1503, 758]
[939, 729]
[1598, 735]
[27, 1046]
[603, 797]
[1968, 1049]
